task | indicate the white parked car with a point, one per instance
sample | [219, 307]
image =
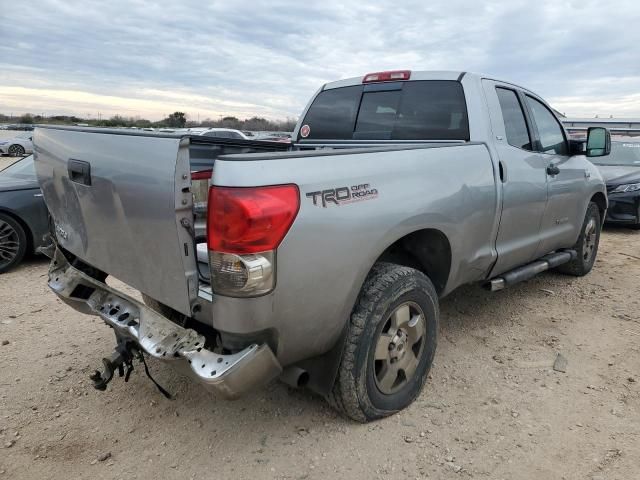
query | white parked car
[225, 133]
[18, 146]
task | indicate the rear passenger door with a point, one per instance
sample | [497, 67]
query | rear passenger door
[566, 179]
[523, 177]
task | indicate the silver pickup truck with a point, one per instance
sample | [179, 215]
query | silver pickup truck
[321, 262]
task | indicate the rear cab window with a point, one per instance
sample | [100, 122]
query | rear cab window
[414, 110]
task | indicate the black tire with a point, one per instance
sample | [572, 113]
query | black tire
[389, 288]
[587, 244]
[13, 243]
[16, 150]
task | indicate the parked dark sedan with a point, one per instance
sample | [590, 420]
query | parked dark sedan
[621, 171]
[23, 214]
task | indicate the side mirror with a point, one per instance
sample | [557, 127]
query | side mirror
[598, 142]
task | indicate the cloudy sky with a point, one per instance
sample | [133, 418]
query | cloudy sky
[212, 58]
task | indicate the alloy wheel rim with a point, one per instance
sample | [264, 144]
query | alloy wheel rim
[9, 243]
[590, 234]
[399, 347]
[15, 150]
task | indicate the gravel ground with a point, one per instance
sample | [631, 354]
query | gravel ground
[493, 408]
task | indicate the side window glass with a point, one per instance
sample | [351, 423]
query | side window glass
[515, 125]
[551, 137]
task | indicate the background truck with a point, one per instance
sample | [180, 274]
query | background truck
[322, 262]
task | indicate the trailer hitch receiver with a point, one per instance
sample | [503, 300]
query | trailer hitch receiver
[120, 359]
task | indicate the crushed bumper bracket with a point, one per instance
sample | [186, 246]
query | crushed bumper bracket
[229, 375]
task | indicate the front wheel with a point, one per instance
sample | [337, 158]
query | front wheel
[16, 151]
[391, 343]
[587, 244]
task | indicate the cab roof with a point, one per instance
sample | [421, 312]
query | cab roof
[415, 75]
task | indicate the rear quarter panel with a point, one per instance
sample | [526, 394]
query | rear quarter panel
[326, 255]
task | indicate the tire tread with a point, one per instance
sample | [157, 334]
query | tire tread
[344, 395]
[577, 267]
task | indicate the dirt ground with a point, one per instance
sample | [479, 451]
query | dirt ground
[494, 407]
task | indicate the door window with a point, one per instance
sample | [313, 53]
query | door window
[551, 136]
[515, 126]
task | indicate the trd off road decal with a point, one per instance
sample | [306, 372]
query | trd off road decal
[343, 195]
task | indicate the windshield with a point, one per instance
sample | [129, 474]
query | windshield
[22, 169]
[622, 154]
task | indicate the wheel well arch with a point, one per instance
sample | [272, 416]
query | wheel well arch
[27, 230]
[601, 201]
[427, 250]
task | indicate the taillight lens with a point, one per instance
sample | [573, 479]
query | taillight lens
[250, 219]
[200, 190]
[244, 228]
[242, 275]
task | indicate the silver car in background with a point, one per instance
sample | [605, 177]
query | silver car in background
[224, 133]
[17, 146]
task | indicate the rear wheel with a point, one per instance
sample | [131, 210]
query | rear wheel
[13, 242]
[16, 150]
[587, 244]
[390, 346]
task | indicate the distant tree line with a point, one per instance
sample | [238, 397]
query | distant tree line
[253, 123]
[173, 120]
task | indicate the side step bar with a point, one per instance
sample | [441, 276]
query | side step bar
[530, 270]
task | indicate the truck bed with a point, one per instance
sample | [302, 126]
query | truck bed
[135, 220]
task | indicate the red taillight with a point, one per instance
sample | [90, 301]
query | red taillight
[390, 76]
[201, 175]
[250, 219]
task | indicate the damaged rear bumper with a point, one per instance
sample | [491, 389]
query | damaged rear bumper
[227, 375]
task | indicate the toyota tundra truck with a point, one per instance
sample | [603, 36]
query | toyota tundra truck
[321, 262]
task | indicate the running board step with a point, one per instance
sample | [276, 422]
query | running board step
[530, 270]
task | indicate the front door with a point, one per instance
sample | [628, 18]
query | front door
[523, 177]
[564, 213]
